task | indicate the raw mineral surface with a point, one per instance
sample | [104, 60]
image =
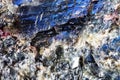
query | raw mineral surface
[59, 39]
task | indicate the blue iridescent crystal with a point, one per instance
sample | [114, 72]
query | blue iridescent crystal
[51, 13]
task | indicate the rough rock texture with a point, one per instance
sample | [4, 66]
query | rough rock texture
[48, 14]
[88, 53]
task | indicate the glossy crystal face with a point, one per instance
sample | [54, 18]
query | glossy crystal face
[49, 13]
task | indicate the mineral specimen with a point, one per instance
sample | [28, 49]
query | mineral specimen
[73, 40]
[54, 13]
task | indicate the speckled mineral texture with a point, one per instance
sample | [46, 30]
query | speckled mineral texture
[88, 53]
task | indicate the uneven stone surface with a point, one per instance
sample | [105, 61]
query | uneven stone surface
[89, 51]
